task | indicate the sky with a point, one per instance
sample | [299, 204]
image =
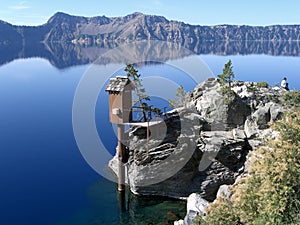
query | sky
[208, 12]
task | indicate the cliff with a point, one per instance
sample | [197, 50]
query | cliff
[201, 147]
[67, 40]
[105, 31]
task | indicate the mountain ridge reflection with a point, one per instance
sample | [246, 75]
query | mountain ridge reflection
[64, 55]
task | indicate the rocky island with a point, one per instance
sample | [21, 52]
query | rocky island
[204, 145]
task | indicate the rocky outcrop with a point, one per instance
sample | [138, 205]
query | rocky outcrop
[185, 159]
[260, 119]
[198, 149]
[212, 105]
[197, 206]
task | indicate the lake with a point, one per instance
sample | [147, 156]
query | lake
[47, 176]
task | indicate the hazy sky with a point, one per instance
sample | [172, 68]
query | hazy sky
[208, 12]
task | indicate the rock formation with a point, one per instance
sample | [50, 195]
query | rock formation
[102, 30]
[201, 147]
[65, 35]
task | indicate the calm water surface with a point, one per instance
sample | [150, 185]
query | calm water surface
[44, 178]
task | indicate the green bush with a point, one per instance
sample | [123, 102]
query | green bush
[291, 99]
[222, 213]
[255, 87]
[270, 194]
[228, 93]
[252, 88]
[263, 84]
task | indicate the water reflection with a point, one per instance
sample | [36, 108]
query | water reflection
[131, 209]
[63, 55]
[37, 113]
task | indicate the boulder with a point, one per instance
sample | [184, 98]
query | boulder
[260, 119]
[224, 192]
[179, 222]
[196, 206]
[222, 112]
[251, 127]
[224, 154]
[276, 111]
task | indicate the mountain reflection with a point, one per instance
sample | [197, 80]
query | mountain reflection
[62, 55]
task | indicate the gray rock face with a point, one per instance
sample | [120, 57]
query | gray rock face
[200, 149]
[221, 112]
[261, 118]
[187, 160]
[103, 30]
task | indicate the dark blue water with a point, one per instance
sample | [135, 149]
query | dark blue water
[259, 68]
[44, 178]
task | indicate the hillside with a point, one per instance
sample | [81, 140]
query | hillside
[62, 27]
[67, 40]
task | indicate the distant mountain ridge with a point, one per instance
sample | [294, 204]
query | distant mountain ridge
[67, 40]
[102, 30]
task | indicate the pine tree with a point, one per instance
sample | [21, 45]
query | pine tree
[227, 76]
[225, 80]
[135, 78]
[179, 101]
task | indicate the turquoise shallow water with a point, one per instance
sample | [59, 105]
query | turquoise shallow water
[106, 208]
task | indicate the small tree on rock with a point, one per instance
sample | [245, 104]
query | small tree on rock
[135, 78]
[227, 76]
[179, 100]
[225, 80]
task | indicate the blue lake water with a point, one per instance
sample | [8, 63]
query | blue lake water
[44, 178]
